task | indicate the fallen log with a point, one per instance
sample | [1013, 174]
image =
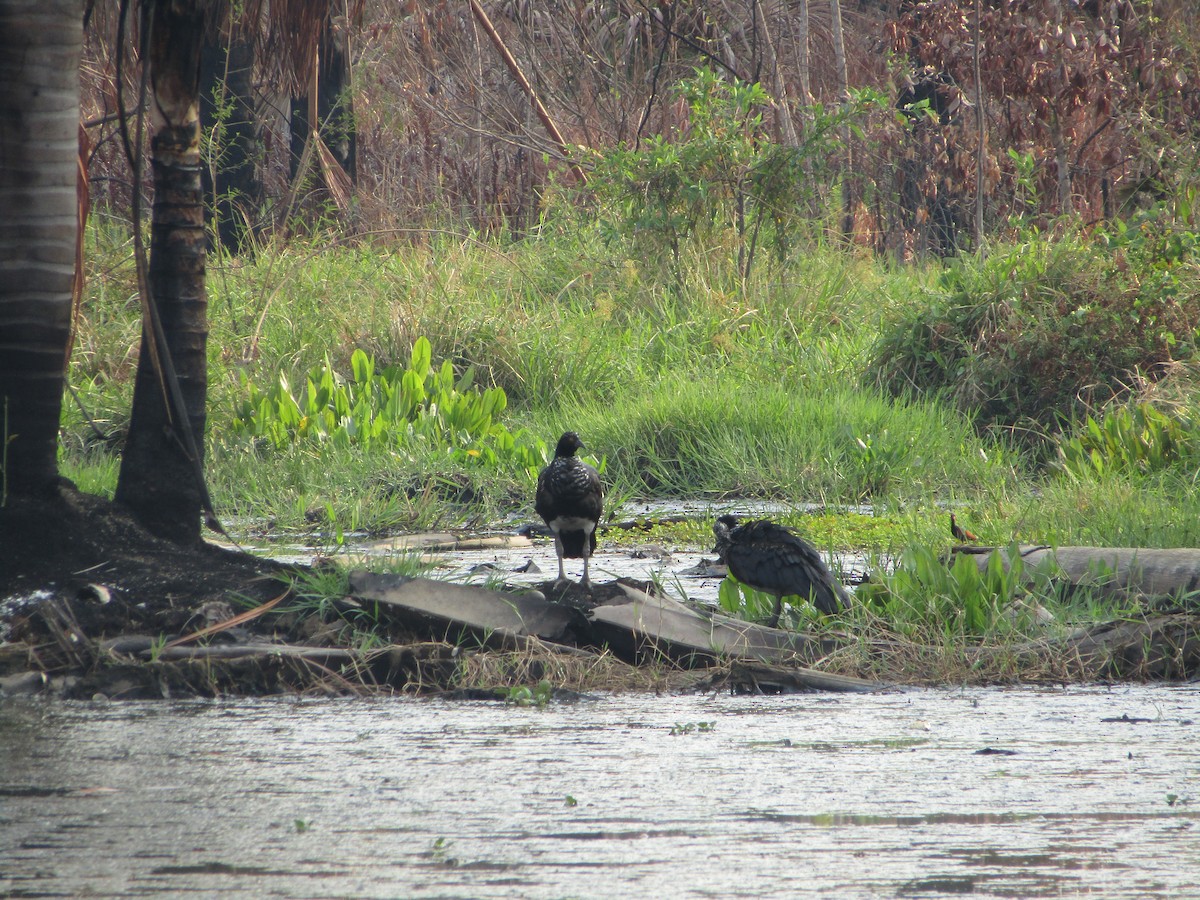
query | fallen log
[635, 626]
[1121, 573]
[653, 627]
[446, 611]
[748, 677]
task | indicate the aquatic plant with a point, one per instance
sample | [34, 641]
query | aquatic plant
[959, 598]
[1137, 439]
[394, 406]
[744, 602]
[522, 695]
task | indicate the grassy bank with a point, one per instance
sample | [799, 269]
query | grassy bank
[796, 386]
[706, 386]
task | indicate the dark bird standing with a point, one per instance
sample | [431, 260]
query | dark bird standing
[570, 499]
[961, 534]
[775, 560]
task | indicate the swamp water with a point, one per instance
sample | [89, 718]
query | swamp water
[1076, 792]
[685, 574]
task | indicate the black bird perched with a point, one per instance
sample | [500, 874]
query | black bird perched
[961, 534]
[776, 560]
[570, 499]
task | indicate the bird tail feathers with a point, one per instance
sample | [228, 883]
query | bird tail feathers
[573, 543]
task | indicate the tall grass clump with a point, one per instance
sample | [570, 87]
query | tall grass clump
[1160, 510]
[734, 435]
[544, 319]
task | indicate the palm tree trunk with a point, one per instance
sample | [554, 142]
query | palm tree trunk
[40, 43]
[160, 479]
[232, 187]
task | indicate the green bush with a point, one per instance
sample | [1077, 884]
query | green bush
[1034, 336]
[721, 175]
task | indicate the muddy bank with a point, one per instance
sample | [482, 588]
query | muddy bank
[92, 606]
[392, 634]
[427, 637]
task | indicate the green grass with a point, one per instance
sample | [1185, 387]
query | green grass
[709, 387]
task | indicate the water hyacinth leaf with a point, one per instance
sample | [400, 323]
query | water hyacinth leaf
[362, 366]
[392, 406]
[422, 354]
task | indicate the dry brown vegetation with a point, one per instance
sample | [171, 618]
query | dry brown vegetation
[1097, 98]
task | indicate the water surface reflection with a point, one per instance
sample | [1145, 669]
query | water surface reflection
[849, 796]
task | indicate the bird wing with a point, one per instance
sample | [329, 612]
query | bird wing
[569, 486]
[775, 559]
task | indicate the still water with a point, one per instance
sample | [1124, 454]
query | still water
[921, 793]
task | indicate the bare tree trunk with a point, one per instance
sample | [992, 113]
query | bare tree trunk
[161, 470]
[783, 112]
[848, 176]
[232, 187]
[1062, 163]
[40, 43]
[806, 97]
[981, 129]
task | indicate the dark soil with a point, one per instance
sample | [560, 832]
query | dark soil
[67, 538]
[74, 561]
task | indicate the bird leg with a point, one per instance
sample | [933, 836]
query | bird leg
[773, 622]
[558, 549]
[587, 558]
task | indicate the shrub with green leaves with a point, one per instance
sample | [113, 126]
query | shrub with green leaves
[396, 407]
[1041, 332]
[1129, 440]
[926, 594]
[721, 174]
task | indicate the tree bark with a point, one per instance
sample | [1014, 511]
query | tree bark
[232, 187]
[335, 112]
[40, 42]
[160, 478]
[849, 179]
